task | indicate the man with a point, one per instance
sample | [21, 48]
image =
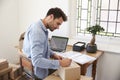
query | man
[36, 43]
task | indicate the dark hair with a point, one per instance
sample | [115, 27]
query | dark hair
[57, 12]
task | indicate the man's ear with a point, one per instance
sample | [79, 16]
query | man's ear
[52, 16]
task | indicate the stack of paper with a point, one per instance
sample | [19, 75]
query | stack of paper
[77, 57]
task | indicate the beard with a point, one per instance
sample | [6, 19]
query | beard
[50, 28]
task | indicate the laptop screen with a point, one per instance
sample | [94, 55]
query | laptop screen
[58, 43]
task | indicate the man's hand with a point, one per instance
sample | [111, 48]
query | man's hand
[55, 56]
[65, 62]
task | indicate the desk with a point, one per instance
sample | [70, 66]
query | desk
[85, 66]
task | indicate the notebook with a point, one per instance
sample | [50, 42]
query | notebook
[58, 43]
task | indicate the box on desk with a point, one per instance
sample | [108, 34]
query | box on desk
[16, 71]
[3, 64]
[70, 73]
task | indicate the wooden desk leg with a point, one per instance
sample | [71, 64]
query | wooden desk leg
[94, 69]
[84, 69]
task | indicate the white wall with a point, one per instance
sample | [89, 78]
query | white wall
[33, 10]
[9, 29]
[108, 67]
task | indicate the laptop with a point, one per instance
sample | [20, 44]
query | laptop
[58, 43]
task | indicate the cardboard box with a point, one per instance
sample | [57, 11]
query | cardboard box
[16, 71]
[55, 76]
[3, 64]
[86, 78]
[70, 73]
[5, 73]
[21, 40]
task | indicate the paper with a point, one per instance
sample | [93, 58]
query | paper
[77, 57]
[79, 44]
[83, 59]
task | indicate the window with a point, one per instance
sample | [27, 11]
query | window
[103, 12]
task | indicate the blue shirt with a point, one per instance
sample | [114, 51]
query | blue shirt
[36, 47]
